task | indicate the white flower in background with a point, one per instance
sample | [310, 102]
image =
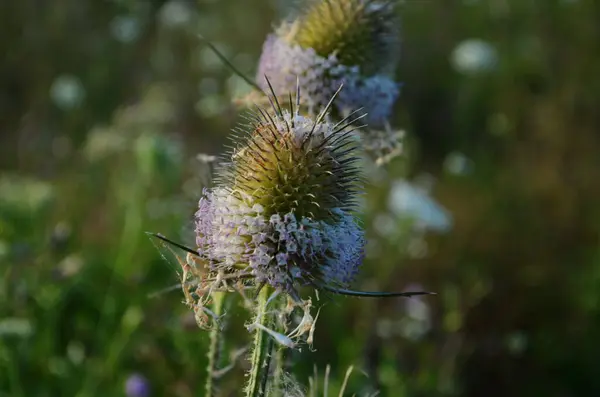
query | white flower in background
[409, 201]
[67, 92]
[125, 29]
[473, 56]
[176, 13]
[457, 163]
[418, 320]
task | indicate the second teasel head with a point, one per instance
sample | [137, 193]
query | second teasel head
[330, 42]
[363, 33]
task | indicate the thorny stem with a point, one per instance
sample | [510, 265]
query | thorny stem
[213, 349]
[259, 365]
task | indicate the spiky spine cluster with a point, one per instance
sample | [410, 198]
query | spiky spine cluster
[355, 44]
[290, 164]
[281, 205]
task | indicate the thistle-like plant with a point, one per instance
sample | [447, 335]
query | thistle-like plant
[279, 218]
[333, 42]
[354, 42]
[279, 214]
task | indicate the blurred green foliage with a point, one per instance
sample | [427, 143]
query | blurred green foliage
[105, 105]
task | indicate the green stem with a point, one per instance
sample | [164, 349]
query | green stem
[277, 373]
[262, 350]
[267, 366]
[279, 358]
[213, 349]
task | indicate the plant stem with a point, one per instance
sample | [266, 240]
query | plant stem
[279, 357]
[277, 373]
[261, 353]
[267, 366]
[213, 349]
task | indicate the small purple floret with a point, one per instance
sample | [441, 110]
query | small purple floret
[230, 232]
[137, 386]
[321, 77]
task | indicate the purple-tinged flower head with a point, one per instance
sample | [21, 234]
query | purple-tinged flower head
[354, 42]
[280, 212]
[137, 386]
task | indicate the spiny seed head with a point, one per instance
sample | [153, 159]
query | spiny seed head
[280, 207]
[353, 42]
[361, 33]
[290, 164]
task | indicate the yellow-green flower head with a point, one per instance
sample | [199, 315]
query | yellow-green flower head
[362, 33]
[354, 42]
[280, 210]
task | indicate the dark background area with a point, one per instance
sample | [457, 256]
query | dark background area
[105, 104]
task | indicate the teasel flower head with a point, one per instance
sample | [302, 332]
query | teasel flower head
[280, 212]
[354, 42]
[280, 215]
